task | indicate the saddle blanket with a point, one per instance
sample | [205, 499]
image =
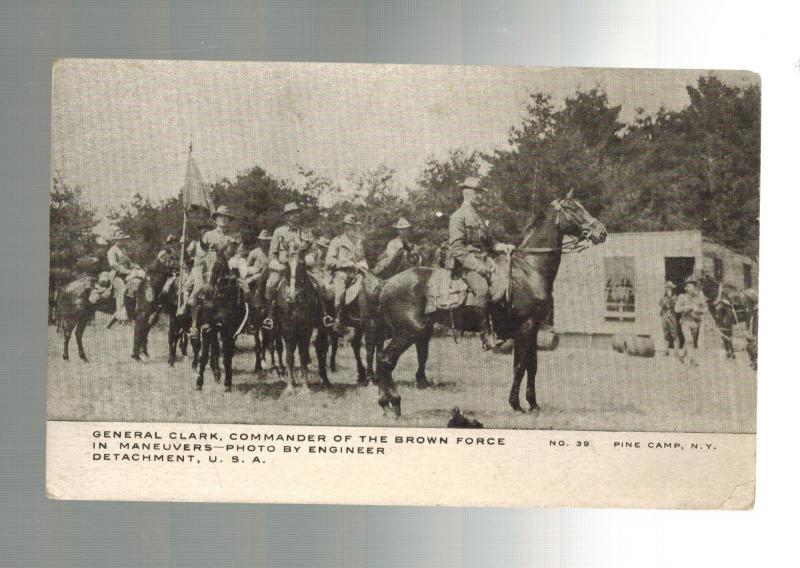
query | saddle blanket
[445, 292]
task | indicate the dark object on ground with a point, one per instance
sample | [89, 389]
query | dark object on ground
[641, 346]
[458, 420]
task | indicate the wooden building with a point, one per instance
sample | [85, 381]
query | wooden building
[615, 287]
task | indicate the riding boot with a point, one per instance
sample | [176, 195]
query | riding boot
[193, 333]
[487, 334]
[338, 325]
[269, 321]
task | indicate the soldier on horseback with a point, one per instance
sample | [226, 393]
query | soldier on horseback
[469, 249]
[345, 258]
[213, 243]
[287, 240]
[122, 269]
[400, 245]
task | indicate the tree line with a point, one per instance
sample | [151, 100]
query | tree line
[693, 168]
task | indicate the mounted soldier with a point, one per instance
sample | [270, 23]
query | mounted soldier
[287, 240]
[214, 242]
[258, 258]
[122, 270]
[397, 250]
[469, 249]
[345, 258]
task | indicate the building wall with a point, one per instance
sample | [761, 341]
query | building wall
[732, 262]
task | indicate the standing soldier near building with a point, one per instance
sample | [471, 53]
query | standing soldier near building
[469, 248]
[669, 319]
[287, 240]
[690, 307]
[345, 257]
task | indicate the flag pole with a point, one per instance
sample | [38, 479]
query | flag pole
[183, 246]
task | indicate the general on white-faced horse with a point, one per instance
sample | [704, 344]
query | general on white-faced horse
[520, 291]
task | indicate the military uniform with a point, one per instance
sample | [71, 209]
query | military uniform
[287, 241]
[215, 241]
[122, 267]
[468, 247]
[669, 321]
[690, 306]
[344, 256]
[397, 245]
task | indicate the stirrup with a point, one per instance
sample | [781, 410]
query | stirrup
[327, 321]
[268, 324]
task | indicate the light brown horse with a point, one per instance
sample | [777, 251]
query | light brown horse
[533, 268]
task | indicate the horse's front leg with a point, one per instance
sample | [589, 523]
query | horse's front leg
[213, 344]
[228, 348]
[290, 346]
[173, 333]
[334, 344]
[389, 399]
[305, 356]
[203, 352]
[532, 362]
[321, 349]
[422, 345]
[66, 329]
[79, 329]
[355, 344]
[522, 347]
[258, 348]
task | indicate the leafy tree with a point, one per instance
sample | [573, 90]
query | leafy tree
[71, 237]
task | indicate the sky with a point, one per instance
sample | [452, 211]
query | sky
[123, 127]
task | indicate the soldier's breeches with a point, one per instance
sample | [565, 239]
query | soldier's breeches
[478, 285]
[339, 287]
[119, 293]
[271, 287]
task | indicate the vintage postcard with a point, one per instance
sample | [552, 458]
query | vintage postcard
[408, 285]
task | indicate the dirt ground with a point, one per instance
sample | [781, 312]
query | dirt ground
[577, 388]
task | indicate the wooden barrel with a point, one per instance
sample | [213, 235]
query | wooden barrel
[641, 346]
[619, 343]
[547, 340]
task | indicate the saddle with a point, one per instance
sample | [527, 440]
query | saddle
[446, 290]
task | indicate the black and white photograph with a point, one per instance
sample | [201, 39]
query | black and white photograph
[404, 246]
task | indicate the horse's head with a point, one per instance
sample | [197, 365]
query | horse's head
[296, 277]
[573, 219]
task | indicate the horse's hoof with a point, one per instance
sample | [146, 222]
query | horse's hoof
[65, 357]
[333, 368]
[535, 409]
[362, 382]
[228, 388]
[198, 386]
[422, 385]
[515, 406]
[136, 358]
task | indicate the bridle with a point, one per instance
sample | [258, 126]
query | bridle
[573, 244]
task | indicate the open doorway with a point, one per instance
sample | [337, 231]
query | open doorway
[677, 269]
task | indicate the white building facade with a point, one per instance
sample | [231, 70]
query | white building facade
[614, 287]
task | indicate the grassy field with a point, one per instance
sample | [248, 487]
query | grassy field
[578, 389]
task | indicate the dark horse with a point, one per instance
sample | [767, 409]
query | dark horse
[300, 311]
[730, 306]
[179, 323]
[76, 306]
[222, 313]
[528, 300]
[363, 315]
